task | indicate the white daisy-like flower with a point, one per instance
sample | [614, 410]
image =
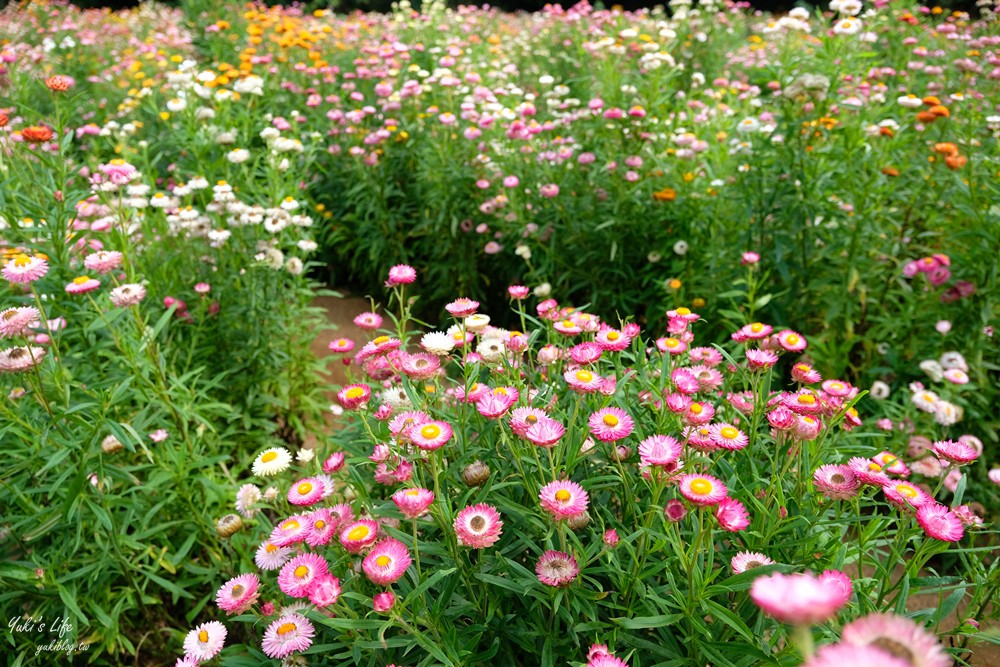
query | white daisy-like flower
[271, 462]
[925, 400]
[248, 496]
[437, 343]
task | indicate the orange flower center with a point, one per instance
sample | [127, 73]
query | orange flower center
[304, 488]
[301, 571]
[285, 628]
[562, 495]
[320, 524]
[203, 636]
[696, 408]
[613, 335]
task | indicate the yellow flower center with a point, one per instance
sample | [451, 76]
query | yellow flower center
[836, 385]
[304, 488]
[672, 342]
[381, 340]
[412, 493]
[203, 636]
[355, 392]
[806, 399]
[568, 324]
[683, 311]
[21, 260]
[874, 467]
[702, 487]
[291, 524]
[756, 327]
[430, 431]
[285, 628]
[729, 433]
[584, 376]
[458, 335]
[613, 335]
[358, 533]
[906, 490]
[270, 548]
[562, 495]
[610, 420]
[81, 280]
[791, 339]
[301, 571]
[499, 391]
[383, 561]
[696, 408]
[268, 457]
[320, 524]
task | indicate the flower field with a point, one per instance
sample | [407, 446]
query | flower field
[677, 345]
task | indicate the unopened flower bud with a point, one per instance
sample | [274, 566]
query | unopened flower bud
[111, 445]
[476, 473]
[578, 521]
[229, 525]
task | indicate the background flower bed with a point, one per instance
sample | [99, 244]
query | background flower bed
[332, 134]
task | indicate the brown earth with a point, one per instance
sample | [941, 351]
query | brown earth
[341, 312]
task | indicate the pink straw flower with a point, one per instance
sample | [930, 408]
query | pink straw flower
[563, 499]
[748, 560]
[610, 424]
[325, 590]
[839, 655]
[702, 489]
[386, 562]
[359, 535]
[413, 503]
[341, 345]
[462, 308]
[238, 594]
[545, 432]
[760, 359]
[732, 515]
[940, 523]
[306, 491]
[286, 635]
[17, 321]
[799, 599]
[960, 453]
[556, 568]
[910, 643]
[728, 436]
[25, 269]
[384, 601]
[401, 274]
[837, 482]
[661, 451]
[791, 340]
[432, 435]
[103, 262]
[478, 526]
[205, 641]
[82, 285]
[297, 575]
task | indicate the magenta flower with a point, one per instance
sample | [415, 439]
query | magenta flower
[556, 568]
[478, 526]
[940, 523]
[610, 424]
[660, 451]
[297, 575]
[386, 562]
[758, 360]
[732, 515]
[286, 635]
[799, 599]
[325, 590]
[563, 499]
[401, 274]
[702, 489]
[238, 594]
[384, 601]
[413, 503]
[462, 307]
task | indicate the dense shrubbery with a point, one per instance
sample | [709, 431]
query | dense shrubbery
[172, 182]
